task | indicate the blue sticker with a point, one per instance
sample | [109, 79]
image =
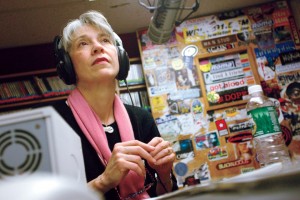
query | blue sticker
[181, 169]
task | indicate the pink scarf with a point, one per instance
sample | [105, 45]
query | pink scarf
[91, 126]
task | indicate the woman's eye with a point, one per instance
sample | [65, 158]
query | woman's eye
[83, 43]
[105, 40]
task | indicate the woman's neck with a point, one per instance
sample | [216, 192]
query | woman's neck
[101, 100]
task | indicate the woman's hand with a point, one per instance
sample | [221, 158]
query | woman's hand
[164, 156]
[125, 156]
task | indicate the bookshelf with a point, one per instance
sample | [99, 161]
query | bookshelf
[136, 85]
[23, 90]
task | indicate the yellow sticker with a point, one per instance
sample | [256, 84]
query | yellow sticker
[158, 103]
[243, 56]
[231, 112]
[177, 64]
[205, 65]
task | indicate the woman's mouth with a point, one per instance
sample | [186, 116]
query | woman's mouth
[100, 60]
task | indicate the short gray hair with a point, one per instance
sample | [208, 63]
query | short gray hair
[93, 18]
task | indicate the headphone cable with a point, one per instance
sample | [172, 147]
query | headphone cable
[128, 92]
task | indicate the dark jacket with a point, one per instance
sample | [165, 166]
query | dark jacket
[144, 129]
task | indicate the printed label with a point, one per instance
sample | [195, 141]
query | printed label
[231, 164]
[219, 41]
[223, 66]
[266, 121]
[222, 76]
[226, 85]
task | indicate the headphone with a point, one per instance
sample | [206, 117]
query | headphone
[64, 65]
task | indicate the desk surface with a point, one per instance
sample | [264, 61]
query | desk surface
[269, 183]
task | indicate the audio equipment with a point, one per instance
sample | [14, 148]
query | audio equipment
[39, 140]
[65, 68]
[47, 187]
[165, 17]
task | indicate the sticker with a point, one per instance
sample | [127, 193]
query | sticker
[227, 85]
[289, 57]
[232, 95]
[231, 112]
[219, 48]
[184, 106]
[173, 107]
[219, 41]
[181, 169]
[221, 76]
[188, 62]
[235, 163]
[213, 97]
[241, 137]
[190, 50]
[206, 141]
[234, 128]
[222, 127]
[205, 65]
[247, 169]
[186, 149]
[197, 106]
[177, 63]
[222, 66]
[217, 153]
[168, 126]
[158, 103]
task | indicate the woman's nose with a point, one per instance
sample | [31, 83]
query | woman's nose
[97, 47]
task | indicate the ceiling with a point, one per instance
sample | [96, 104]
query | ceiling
[32, 22]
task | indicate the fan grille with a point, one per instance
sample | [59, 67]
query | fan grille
[23, 144]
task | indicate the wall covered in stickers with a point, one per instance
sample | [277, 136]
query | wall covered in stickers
[197, 85]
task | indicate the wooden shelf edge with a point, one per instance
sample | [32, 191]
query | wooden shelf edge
[31, 73]
[135, 59]
[221, 53]
[31, 102]
[132, 87]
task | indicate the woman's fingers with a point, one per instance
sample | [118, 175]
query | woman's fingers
[167, 158]
[155, 141]
[127, 156]
[132, 162]
[146, 147]
[136, 148]
[161, 149]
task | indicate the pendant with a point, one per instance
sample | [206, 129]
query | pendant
[108, 129]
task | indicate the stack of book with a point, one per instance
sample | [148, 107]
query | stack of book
[139, 98]
[135, 76]
[33, 88]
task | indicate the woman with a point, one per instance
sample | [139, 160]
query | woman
[123, 152]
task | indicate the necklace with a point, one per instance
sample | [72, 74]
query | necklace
[108, 129]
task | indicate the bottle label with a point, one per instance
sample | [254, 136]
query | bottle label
[265, 120]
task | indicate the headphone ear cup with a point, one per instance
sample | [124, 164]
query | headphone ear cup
[124, 64]
[66, 71]
[64, 66]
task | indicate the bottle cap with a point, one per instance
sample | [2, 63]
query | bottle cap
[254, 88]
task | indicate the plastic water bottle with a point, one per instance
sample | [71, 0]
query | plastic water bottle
[267, 135]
